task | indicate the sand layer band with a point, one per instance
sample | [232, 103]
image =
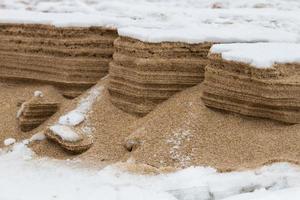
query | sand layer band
[272, 93]
[72, 59]
[143, 75]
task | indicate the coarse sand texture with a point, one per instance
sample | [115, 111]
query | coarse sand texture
[73, 59]
[183, 132]
[265, 88]
[143, 74]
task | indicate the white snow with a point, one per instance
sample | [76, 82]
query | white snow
[260, 55]
[210, 33]
[38, 93]
[155, 21]
[65, 132]
[21, 110]
[65, 124]
[38, 137]
[73, 118]
[24, 176]
[284, 194]
[77, 115]
[9, 141]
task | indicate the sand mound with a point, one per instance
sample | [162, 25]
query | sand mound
[272, 93]
[109, 127]
[73, 59]
[38, 109]
[183, 132]
[143, 75]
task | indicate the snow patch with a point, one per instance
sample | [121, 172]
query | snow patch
[65, 132]
[77, 115]
[21, 110]
[9, 141]
[73, 118]
[156, 21]
[38, 137]
[44, 178]
[65, 123]
[260, 55]
[38, 94]
[177, 142]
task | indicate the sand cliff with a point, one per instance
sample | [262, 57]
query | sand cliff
[73, 59]
[272, 93]
[142, 75]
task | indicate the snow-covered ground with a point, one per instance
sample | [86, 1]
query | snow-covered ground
[179, 20]
[251, 53]
[23, 176]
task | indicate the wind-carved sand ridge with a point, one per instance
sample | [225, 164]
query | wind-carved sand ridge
[72, 59]
[142, 74]
[268, 92]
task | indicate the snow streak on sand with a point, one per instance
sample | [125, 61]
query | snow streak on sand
[64, 127]
[78, 115]
[23, 177]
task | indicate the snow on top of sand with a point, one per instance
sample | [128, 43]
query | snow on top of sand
[59, 6]
[77, 115]
[209, 33]
[9, 141]
[37, 137]
[65, 124]
[24, 176]
[38, 93]
[260, 55]
[189, 21]
[65, 133]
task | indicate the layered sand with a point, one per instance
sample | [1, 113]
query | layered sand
[72, 59]
[142, 74]
[269, 92]
[38, 109]
[182, 132]
[109, 125]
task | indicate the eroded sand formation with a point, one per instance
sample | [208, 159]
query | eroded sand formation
[73, 59]
[83, 143]
[272, 93]
[37, 110]
[142, 75]
[183, 132]
[180, 131]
